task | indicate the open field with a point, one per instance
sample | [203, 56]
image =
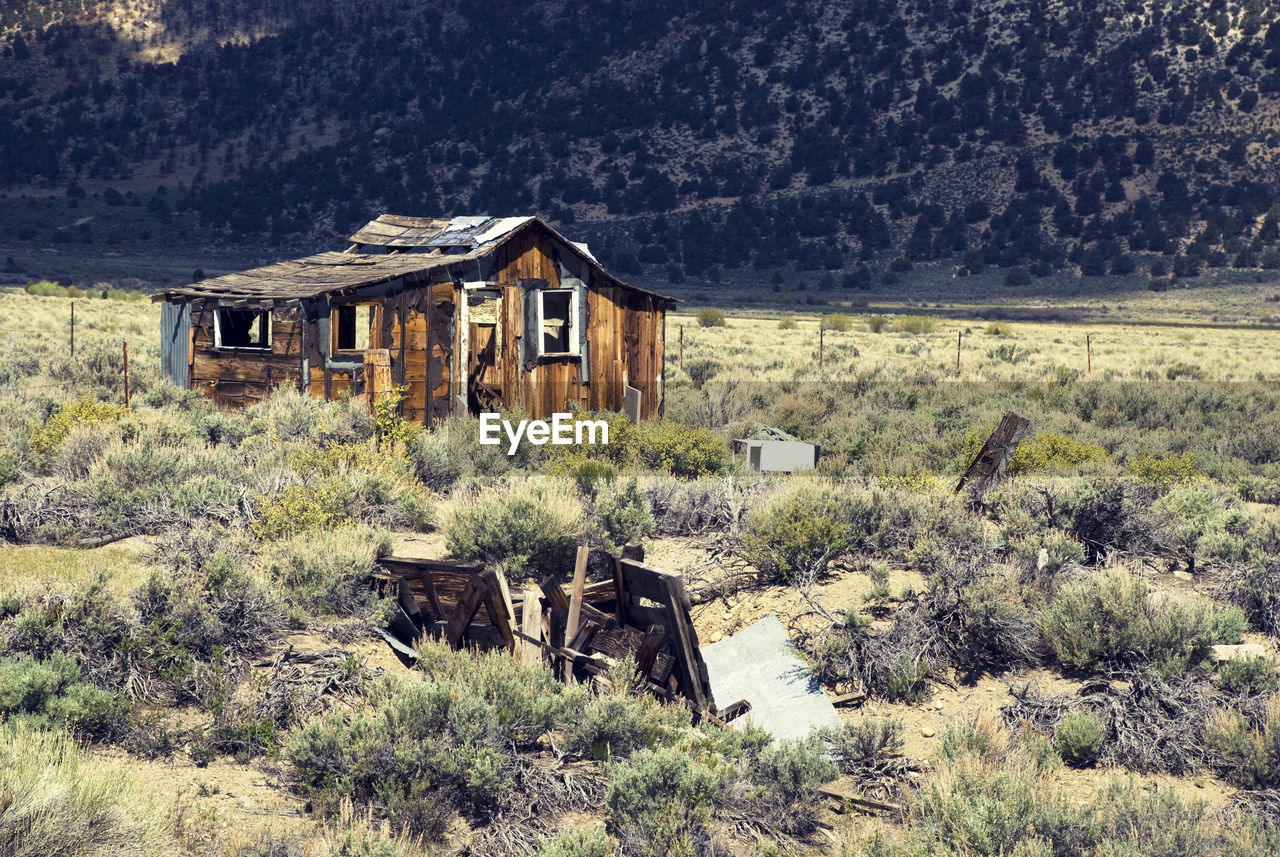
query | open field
[1034, 673]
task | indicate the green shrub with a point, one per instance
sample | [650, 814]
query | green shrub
[660, 802]
[54, 693]
[1017, 276]
[907, 681]
[616, 725]
[46, 289]
[701, 371]
[798, 533]
[591, 475]
[1113, 619]
[322, 506]
[685, 451]
[526, 526]
[1243, 754]
[325, 572]
[787, 322]
[1111, 515]
[998, 328]
[916, 324]
[625, 515]
[877, 323]
[1054, 453]
[710, 317]
[1169, 471]
[1078, 738]
[862, 746]
[577, 842]
[1254, 588]
[837, 321]
[59, 801]
[47, 437]
[448, 743]
[1249, 676]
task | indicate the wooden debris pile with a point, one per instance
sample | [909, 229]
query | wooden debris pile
[577, 629]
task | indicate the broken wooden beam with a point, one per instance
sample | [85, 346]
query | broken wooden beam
[498, 602]
[989, 465]
[531, 625]
[859, 802]
[472, 597]
[575, 595]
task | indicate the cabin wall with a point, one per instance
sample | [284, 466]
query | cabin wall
[624, 332]
[549, 386]
[404, 334]
[626, 335]
[238, 378]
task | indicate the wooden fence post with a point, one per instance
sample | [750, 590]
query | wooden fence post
[1088, 352]
[821, 331]
[126, 373]
[682, 348]
[959, 333]
[73, 330]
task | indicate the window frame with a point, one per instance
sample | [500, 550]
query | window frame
[575, 335]
[375, 327]
[217, 330]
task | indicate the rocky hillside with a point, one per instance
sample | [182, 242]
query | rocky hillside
[690, 138]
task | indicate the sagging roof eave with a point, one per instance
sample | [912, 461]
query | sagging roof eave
[294, 295]
[573, 248]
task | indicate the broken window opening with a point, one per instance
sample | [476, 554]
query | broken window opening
[242, 328]
[355, 327]
[559, 321]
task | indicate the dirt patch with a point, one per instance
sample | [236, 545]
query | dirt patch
[218, 808]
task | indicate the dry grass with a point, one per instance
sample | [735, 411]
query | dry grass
[756, 349]
[66, 805]
[25, 566]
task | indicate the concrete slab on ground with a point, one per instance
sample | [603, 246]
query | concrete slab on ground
[760, 665]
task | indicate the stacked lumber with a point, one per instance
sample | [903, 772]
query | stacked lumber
[577, 629]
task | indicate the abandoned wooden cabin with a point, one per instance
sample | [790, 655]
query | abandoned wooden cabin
[470, 314]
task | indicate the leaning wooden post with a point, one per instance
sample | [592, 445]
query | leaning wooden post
[682, 348]
[821, 330]
[126, 373]
[959, 333]
[575, 595]
[73, 330]
[1088, 352]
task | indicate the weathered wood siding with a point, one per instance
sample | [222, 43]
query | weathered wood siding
[626, 337]
[239, 377]
[623, 331]
[430, 346]
[553, 383]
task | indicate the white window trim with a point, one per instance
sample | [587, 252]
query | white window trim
[575, 341]
[217, 331]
